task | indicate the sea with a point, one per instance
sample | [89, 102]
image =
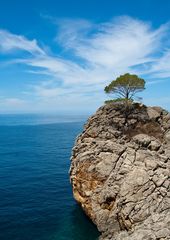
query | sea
[36, 201]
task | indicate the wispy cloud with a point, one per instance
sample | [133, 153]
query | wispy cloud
[161, 68]
[94, 54]
[123, 42]
[10, 42]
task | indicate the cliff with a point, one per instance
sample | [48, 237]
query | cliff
[120, 172]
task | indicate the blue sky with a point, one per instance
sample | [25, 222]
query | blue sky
[57, 56]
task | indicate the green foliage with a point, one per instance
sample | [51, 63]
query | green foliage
[122, 100]
[126, 86]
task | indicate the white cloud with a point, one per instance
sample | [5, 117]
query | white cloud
[124, 42]
[103, 51]
[94, 55]
[161, 68]
[9, 42]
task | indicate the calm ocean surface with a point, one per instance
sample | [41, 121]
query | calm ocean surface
[36, 200]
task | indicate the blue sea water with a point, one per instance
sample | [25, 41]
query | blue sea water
[36, 200]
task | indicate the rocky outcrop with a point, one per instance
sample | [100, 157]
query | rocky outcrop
[120, 172]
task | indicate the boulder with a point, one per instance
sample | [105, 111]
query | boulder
[154, 113]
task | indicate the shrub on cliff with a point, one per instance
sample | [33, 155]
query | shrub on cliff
[126, 86]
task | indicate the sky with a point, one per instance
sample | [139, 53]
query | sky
[56, 56]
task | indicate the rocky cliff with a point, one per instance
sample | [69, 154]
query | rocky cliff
[120, 172]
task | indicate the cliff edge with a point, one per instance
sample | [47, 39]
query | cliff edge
[120, 171]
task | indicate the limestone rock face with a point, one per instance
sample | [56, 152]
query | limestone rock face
[120, 170]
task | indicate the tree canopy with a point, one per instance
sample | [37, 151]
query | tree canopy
[126, 86]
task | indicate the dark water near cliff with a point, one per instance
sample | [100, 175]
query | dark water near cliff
[36, 200]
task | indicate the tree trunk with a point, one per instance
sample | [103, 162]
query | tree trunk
[127, 95]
